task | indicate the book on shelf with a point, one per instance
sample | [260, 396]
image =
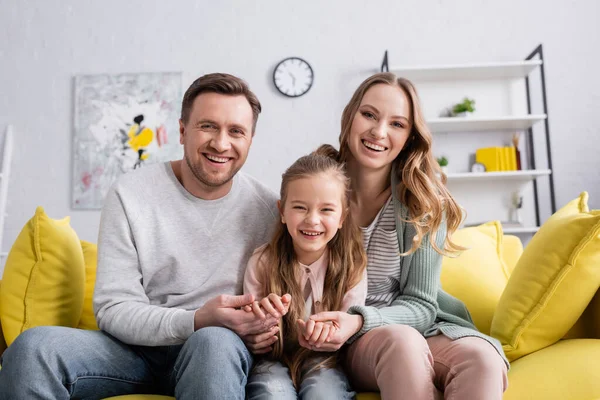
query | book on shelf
[498, 159]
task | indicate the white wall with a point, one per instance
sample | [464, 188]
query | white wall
[43, 44]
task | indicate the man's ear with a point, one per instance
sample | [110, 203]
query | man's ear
[181, 131]
[280, 211]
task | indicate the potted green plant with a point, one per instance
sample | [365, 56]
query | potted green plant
[462, 109]
[443, 162]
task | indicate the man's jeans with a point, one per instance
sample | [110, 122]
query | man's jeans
[65, 363]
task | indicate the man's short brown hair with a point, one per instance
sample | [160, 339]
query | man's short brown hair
[223, 84]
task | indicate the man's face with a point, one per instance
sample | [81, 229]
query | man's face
[217, 137]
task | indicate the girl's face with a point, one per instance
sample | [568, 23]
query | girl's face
[380, 127]
[313, 212]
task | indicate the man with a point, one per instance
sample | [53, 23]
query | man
[173, 245]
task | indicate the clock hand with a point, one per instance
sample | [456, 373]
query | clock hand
[293, 78]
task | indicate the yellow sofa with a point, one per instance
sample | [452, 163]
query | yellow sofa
[568, 369]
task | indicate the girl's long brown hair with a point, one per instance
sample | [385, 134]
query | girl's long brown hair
[428, 200]
[347, 262]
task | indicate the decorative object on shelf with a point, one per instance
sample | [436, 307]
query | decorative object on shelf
[516, 217]
[443, 162]
[464, 108]
[477, 168]
[515, 141]
[121, 122]
[293, 77]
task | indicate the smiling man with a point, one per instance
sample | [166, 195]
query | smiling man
[173, 245]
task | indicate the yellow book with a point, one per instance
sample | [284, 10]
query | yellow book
[513, 158]
[488, 156]
[502, 155]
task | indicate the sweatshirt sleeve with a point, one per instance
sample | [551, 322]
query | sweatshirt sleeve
[357, 295]
[417, 305]
[121, 305]
[254, 275]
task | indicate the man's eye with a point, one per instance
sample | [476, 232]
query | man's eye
[207, 126]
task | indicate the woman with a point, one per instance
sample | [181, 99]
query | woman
[411, 339]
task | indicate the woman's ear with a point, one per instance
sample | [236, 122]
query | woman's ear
[280, 208]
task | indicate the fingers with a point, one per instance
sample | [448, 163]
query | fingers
[266, 303]
[308, 329]
[262, 343]
[235, 301]
[316, 333]
[326, 316]
[277, 303]
[323, 336]
[247, 308]
[257, 311]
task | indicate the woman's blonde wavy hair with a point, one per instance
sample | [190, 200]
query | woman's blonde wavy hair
[346, 265]
[421, 185]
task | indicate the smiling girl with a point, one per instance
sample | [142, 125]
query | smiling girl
[314, 263]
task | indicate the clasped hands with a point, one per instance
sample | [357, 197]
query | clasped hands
[256, 322]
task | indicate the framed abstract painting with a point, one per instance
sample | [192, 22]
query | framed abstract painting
[121, 122]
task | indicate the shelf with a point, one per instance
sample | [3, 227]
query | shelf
[476, 124]
[526, 175]
[486, 71]
[520, 229]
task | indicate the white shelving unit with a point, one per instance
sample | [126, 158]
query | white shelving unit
[526, 175]
[485, 71]
[481, 124]
[505, 108]
[4, 175]
[517, 230]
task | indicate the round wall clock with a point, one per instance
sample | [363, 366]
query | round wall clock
[293, 77]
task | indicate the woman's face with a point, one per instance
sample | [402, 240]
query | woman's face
[380, 127]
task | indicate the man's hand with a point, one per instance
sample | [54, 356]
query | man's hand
[224, 310]
[262, 343]
[344, 325]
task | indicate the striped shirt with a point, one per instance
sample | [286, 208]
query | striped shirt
[381, 244]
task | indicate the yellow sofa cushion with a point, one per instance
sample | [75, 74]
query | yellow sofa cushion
[43, 281]
[553, 282]
[568, 370]
[90, 257]
[478, 275]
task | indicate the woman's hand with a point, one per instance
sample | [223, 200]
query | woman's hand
[343, 326]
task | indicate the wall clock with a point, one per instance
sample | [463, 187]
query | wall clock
[293, 77]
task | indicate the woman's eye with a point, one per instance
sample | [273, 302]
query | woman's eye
[368, 114]
[398, 125]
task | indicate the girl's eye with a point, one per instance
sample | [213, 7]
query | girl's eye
[328, 210]
[368, 114]
[298, 208]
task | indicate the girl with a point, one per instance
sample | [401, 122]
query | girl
[315, 262]
[411, 339]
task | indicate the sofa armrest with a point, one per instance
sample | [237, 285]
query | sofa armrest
[2, 341]
[512, 248]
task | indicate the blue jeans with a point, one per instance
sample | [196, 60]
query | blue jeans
[65, 363]
[271, 380]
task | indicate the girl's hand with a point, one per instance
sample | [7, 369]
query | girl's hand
[315, 334]
[274, 305]
[346, 325]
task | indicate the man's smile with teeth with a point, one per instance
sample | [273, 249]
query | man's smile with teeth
[216, 158]
[373, 146]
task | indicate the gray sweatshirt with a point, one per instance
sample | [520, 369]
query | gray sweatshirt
[162, 253]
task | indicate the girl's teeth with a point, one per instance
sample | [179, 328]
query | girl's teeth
[311, 233]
